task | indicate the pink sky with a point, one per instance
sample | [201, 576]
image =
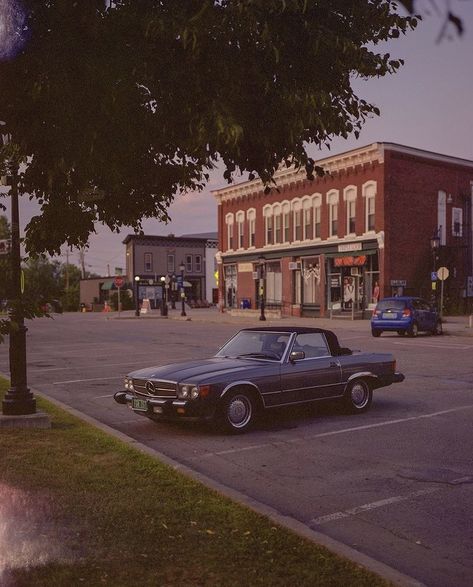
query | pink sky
[427, 105]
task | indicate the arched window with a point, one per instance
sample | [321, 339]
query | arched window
[307, 230]
[229, 220]
[297, 219]
[268, 225]
[240, 221]
[349, 195]
[332, 203]
[286, 221]
[251, 216]
[277, 223]
[369, 195]
[317, 201]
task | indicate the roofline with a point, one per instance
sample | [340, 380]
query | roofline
[156, 237]
[374, 152]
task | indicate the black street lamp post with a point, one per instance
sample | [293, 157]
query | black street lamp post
[183, 295]
[164, 305]
[261, 261]
[18, 400]
[137, 298]
[173, 292]
[435, 246]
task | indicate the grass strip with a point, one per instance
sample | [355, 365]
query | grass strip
[80, 507]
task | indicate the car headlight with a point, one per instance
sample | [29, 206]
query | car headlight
[126, 383]
[194, 392]
[184, 392]
[129, 383]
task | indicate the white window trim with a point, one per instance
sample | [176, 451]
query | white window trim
[332, 198]
[229, 221]
[368, 191]
[349, 195]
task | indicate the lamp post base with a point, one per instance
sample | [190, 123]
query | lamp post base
[18, 404]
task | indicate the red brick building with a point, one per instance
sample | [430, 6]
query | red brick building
[363, 231]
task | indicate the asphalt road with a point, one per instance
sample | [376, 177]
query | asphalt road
[395, 483]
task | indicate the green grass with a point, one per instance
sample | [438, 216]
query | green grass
[106, 514]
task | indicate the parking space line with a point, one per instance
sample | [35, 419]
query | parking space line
[84, 380]
[370, 506]
[332, 433]
[428, 345]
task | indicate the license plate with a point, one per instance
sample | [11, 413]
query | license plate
[139, 404]
[389, 315]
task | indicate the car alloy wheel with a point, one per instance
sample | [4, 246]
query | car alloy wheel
[413, 330]
[237, 413]
[358, 396]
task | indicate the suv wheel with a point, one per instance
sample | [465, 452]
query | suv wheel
[375, 332]
[413, 330]
[401, 332]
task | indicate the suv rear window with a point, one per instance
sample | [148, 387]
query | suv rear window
[391, 305]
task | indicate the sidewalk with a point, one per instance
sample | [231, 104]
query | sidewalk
[453, 325]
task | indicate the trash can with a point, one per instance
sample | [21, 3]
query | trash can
[245, 304]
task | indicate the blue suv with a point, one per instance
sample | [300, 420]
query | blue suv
[405, 315]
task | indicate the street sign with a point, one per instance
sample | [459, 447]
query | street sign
[118, 271]
[180, 279]
[433, 276]
[442, 273]
[119, 281]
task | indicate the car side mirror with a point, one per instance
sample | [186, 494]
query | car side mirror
[296, 356]
[344, 351]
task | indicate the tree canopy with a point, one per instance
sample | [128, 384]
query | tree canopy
[118, 109]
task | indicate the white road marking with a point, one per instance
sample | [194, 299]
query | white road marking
[371, 506]
[102, 396]
[83, 380]
[334, 432]
[460, 347]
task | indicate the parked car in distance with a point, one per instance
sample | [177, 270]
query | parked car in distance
[259, 369]
[405, 315]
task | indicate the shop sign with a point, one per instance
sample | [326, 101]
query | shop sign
[398, 283]
[335, 281]
[349, 261]
[245, 267]
[349, 247]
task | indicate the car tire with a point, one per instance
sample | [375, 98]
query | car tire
[401, 332]
[413, 331]
[376, 333]
[438, 330]
[358, 396]
[237, 412]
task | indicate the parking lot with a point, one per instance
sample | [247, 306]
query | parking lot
[394, 483]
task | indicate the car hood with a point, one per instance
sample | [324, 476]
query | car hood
[203, 369]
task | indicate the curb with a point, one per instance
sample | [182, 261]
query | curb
[384, 571]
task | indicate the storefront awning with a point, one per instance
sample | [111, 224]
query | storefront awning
[352, 253]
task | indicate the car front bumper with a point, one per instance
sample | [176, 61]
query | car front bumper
[169, 408]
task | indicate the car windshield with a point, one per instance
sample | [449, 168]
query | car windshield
[391, 305]
[256, 345]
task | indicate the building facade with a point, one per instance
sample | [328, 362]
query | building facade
[361, 232]
[151, 258]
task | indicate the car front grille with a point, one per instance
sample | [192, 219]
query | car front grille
[157, 389]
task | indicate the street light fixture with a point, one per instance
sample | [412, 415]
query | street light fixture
[183, 294]
[137, 301]
[18, 400]
[261, 264]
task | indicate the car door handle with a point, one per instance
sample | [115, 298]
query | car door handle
[334, 364]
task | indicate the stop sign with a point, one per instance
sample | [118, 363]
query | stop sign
[119, 281]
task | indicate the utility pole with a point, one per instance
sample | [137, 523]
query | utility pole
[82, 262]
[67, 270]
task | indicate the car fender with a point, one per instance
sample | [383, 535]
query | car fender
[361, 375]
[234, 384]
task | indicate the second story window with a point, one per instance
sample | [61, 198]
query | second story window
[240, 218]
[198, 263]
[269, 230]
[317, 225]
[370, 209]
[287, 225]
[333, 219]
[277, 229]
[148, 262]
[307, 224]
[229, 219]
[369, 194]
[351, 215]
[297, 225]
[171, 263]
[251, 216]
[189, 267]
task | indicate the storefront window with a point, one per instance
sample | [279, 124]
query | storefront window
[273, 283]
[230, 286]
[311, 279]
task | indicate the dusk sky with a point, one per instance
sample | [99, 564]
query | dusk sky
[427, 104]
